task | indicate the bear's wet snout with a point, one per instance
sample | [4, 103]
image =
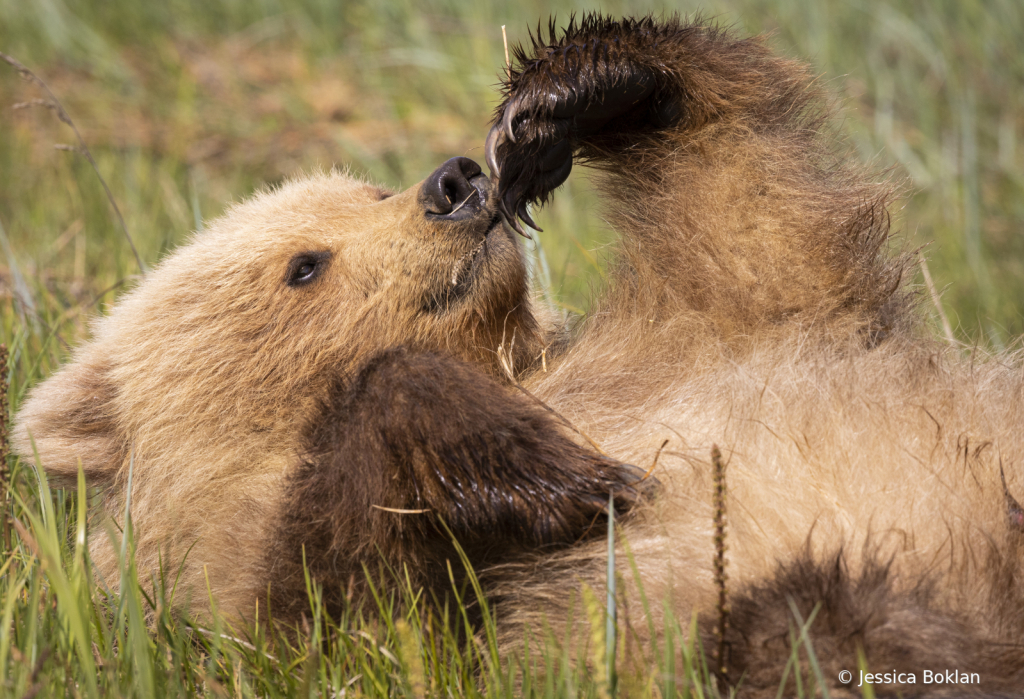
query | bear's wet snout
[455, 191]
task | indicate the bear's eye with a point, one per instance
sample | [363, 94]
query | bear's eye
[305, 267]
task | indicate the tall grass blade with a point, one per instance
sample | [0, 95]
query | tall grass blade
[610, 626]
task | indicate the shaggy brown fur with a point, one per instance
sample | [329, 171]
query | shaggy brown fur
[446, 449]
[327, 350]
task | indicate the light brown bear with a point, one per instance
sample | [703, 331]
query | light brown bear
[333, 368]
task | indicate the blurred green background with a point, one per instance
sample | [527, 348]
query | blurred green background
[189, 105]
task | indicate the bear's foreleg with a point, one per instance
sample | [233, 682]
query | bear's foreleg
[718, 172]
[420, 447]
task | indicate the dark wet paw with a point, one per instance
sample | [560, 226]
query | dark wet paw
[581, 87]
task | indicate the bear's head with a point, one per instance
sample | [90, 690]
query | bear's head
[268, 305]
[203, 378]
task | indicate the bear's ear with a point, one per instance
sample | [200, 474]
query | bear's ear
[70, 419]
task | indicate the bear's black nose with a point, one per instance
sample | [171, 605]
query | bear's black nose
[456, 190]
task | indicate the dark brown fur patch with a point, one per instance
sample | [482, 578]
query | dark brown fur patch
[895, 625]
[417, 439]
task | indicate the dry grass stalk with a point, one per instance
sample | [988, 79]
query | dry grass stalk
[504, 38]
[947, 329]
[5, 450]
[654, 464]
[398, 511]
[54, 105]
[412, 659]
[721, 666]
[505, 359]
[597, 621]
[565, 421]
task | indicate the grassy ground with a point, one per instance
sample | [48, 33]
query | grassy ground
[188, 105]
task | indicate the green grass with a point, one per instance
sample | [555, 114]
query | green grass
[189, 105]
[66, 634]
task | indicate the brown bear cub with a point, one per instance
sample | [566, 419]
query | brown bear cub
[339, 374]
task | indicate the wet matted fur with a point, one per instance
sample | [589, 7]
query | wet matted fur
[326, 368]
